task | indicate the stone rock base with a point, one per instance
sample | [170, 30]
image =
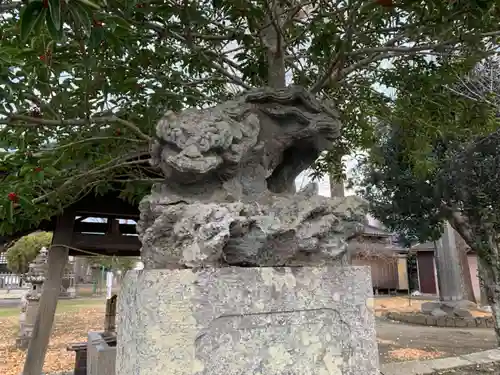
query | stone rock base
[449, 308]
[242, 321]
[441, 320]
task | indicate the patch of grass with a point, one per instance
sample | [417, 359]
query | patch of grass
[62, 306]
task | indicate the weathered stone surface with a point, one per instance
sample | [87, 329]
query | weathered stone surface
[419, 319]
[101, 357]
[462, 304]
[429, 307]
[462, 313]
[471, 323]
[241, 321]
[289, 230]
[481, 322]
[461, 322]
[431, 321]
[229, 194]
[441, 321]
[438, 312]
[450, 321]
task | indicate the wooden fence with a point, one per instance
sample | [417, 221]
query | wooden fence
[10, 281]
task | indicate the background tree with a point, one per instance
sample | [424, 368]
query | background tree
[469, 180]
[409, 156]
[111, 263]
[82, 83]
[25, 250]
[414, 189]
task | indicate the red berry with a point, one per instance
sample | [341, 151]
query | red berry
[13, 197]
[140, 6]
[43, 57]
[38, 169]
[97, 23]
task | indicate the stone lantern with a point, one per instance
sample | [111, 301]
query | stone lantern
[68, 289]
[35, 277]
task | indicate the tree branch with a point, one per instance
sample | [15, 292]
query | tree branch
[385, 52]
[389, 47]
[459, 223]
[36, 121]
[87, 174]
[92, 139]
[272, 38]
[338, 61]
[219, 68]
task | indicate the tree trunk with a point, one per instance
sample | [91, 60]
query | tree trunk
[58, 256]
[468, 289]
[273, 41]
[336, 187]
[491, 279]
[482, 284]
[488, 260]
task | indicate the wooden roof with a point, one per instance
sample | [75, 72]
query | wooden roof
[105, 237]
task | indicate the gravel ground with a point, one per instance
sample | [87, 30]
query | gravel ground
[491, 369]
[447, 342]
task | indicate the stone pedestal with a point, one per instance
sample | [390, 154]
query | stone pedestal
[247, 321]
[101, 356]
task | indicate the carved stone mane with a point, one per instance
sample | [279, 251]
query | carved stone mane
[228, 196]
[282, 131]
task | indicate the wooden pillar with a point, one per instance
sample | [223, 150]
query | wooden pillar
[110, 318]
[336, 188]
[57, 258]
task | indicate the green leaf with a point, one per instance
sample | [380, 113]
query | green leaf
[25, 202]
[90, 4]
[39, 176]
[10, 212]
[119, 21]
[30, 18]
[54, 32]
[51, 171]
[96, 37]
[55, 13]
[25, 169]
[82, 16]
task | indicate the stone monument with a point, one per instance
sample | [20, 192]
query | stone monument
[68, 289]
[35, 277]
[241, 274]
[451, 296]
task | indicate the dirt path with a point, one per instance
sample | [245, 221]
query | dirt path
[394, 338]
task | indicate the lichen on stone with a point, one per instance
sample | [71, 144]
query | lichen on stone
[229, 192]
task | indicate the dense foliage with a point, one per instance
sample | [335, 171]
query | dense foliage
[402, 176]
[110, 263]
[25, 250]
[469, 179]
[83, 83]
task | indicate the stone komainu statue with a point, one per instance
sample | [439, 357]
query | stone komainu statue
[229, 191]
